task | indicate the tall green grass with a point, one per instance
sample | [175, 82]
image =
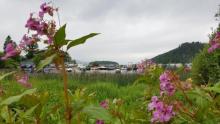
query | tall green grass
[103, 85]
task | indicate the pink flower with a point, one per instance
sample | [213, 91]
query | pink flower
[215, 43]
[32, 23]
[143, 65]
[37, 25]
[27, 40]
[163, 115]
[24, 81]
[42, 28]
[22, 45]
[45, 8]
[161, 111]
[104, 104]
[100, 122]
[166, 85]
[140, 67]
[217, 36]
[153, 104]
[10, 51]
[50, 40]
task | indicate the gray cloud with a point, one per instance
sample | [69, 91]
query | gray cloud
[130, 29]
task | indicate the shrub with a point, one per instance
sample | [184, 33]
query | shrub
[206, 67]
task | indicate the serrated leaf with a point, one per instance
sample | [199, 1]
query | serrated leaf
[60, 35]
[80, 40]
[13, 99]
[97, 112]
[7, 74]
[45, 62]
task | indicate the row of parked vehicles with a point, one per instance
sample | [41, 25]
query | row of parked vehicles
[30, 68]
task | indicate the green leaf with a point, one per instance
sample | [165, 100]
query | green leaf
[97, 112]
[30, 111]
[45, 62]
[59, 37]
[215, 88]
[7, 74]
[13, 99]
[80, 40]
[4, 114]
[200, 99]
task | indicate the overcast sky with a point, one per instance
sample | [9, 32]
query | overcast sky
[131, 30]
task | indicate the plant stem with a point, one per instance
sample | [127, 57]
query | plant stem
[78, 119]
[184, 94]
[37, 120]
[66, 97]
[9, 115]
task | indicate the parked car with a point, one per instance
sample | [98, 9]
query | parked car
[69, 69]
[117, 71]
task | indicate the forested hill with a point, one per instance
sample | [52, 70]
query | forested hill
[183, 54]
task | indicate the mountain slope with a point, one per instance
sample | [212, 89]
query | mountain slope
[183, 54]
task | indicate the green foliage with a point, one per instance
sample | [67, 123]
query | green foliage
[6, 74]
[13, 99]
[31, 51]
[215, 88]
[97, 112]
[86, 95]
[59, 38]
[67, 57]
[80, 40]
[206, 67]
[46, 61]
[151, 76]
[84, 101]
[24, 108]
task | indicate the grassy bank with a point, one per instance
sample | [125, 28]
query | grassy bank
[102, 85]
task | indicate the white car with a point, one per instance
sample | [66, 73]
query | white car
[69, 69]
[117, 71]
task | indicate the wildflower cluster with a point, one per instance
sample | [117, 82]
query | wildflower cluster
[214, 43]
[38, 28]
[163, 107]
[161, 111]
[145, 65]
[166, 84]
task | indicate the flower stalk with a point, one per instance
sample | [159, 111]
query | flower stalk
[68, 114]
